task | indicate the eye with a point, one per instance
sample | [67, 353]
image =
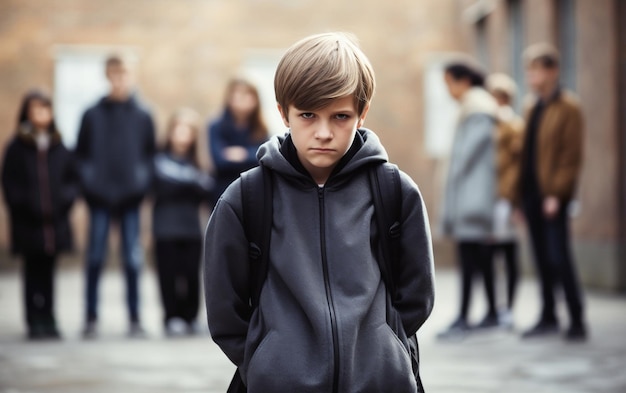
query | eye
[307, 115]
[342, 116]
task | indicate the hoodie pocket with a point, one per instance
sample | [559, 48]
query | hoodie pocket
[255, 355]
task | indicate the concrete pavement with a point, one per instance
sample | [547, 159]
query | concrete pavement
[497, 361]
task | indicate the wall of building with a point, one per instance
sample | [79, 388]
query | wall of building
[188, 49]
[596, 228]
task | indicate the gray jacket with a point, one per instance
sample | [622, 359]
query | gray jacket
[321, 321]
[470, 197]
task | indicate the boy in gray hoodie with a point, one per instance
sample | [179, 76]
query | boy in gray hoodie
[321, 324]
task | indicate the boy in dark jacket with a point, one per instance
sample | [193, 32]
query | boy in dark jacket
[320, 324]
[40, 185]
[115, 150]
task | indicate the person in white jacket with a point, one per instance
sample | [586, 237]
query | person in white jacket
[470, 195]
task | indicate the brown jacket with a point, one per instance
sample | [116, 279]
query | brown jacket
[559, 147]
[509, 142]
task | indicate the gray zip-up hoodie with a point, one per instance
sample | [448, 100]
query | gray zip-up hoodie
[321, 321]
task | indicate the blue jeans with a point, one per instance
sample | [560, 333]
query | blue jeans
[96, 254]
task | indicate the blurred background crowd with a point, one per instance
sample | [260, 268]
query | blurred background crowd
[199, 74]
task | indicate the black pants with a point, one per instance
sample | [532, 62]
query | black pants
[475, 257]
[508, 251]
[38, 276]
[178, 265]
[551, 247]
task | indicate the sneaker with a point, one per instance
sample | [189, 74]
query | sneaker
[576, 333]
[136, 330]
[490, 321]
[505, 319]
[90, 331]
[457, 331]
[542, 329]
[36, 332]
[192, 328]
[175, 327]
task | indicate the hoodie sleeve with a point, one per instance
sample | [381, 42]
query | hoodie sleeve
[415, 287]
[226, 277]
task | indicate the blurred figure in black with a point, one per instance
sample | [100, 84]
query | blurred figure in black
[39, 185]
[179, 189]
[470, 196]
[509, 140]
[115, 151]
[235, 137]
[551, 161]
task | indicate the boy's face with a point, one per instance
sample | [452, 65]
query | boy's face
[120, 79]
[540, 78]
[323, 136]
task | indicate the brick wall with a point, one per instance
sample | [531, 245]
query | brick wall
[188, 48]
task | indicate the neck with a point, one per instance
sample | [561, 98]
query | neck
[546, 93]
[119, 97]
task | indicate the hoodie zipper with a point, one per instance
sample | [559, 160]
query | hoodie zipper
[329, 295]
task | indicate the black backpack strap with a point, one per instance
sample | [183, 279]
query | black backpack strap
[387, 194]
[256, 196]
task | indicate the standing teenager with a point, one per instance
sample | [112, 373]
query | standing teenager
[40, 185]
[470, 196]
[551, 161]
[115, 150]
[179, 188]
[325, 319]
[237, 134]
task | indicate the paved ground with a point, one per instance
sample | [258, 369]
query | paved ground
[487, 362]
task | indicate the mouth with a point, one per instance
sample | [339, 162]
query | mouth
[322, 150]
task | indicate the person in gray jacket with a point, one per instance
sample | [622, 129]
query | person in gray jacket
[320, 324]
[471, 193]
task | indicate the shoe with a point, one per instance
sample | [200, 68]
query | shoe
[175, 327]
[576, 333]
[490, 321]
[90, 331]
[36, 332]
[52, 333]
[50, 329]
[542, 329]
[505, 319]
[457, 331]
[192, 328]
[136, 331]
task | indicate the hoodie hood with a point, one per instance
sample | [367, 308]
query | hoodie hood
[370, 151]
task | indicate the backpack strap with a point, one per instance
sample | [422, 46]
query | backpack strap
[387, 195]
[256, 195]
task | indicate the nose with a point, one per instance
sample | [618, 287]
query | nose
[323, 131]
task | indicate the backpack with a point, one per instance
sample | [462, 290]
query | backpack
[257, 220]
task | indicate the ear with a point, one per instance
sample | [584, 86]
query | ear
[359, 124]
[283, 115]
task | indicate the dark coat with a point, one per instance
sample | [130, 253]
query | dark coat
[179, 188]
[323, 308]
[115, 149]
[39, 188]
[224, 133]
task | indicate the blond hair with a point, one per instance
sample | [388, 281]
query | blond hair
[542, 53]
[323, 67]
[502, 84]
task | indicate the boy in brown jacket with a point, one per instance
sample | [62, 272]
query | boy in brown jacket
[551, 162]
